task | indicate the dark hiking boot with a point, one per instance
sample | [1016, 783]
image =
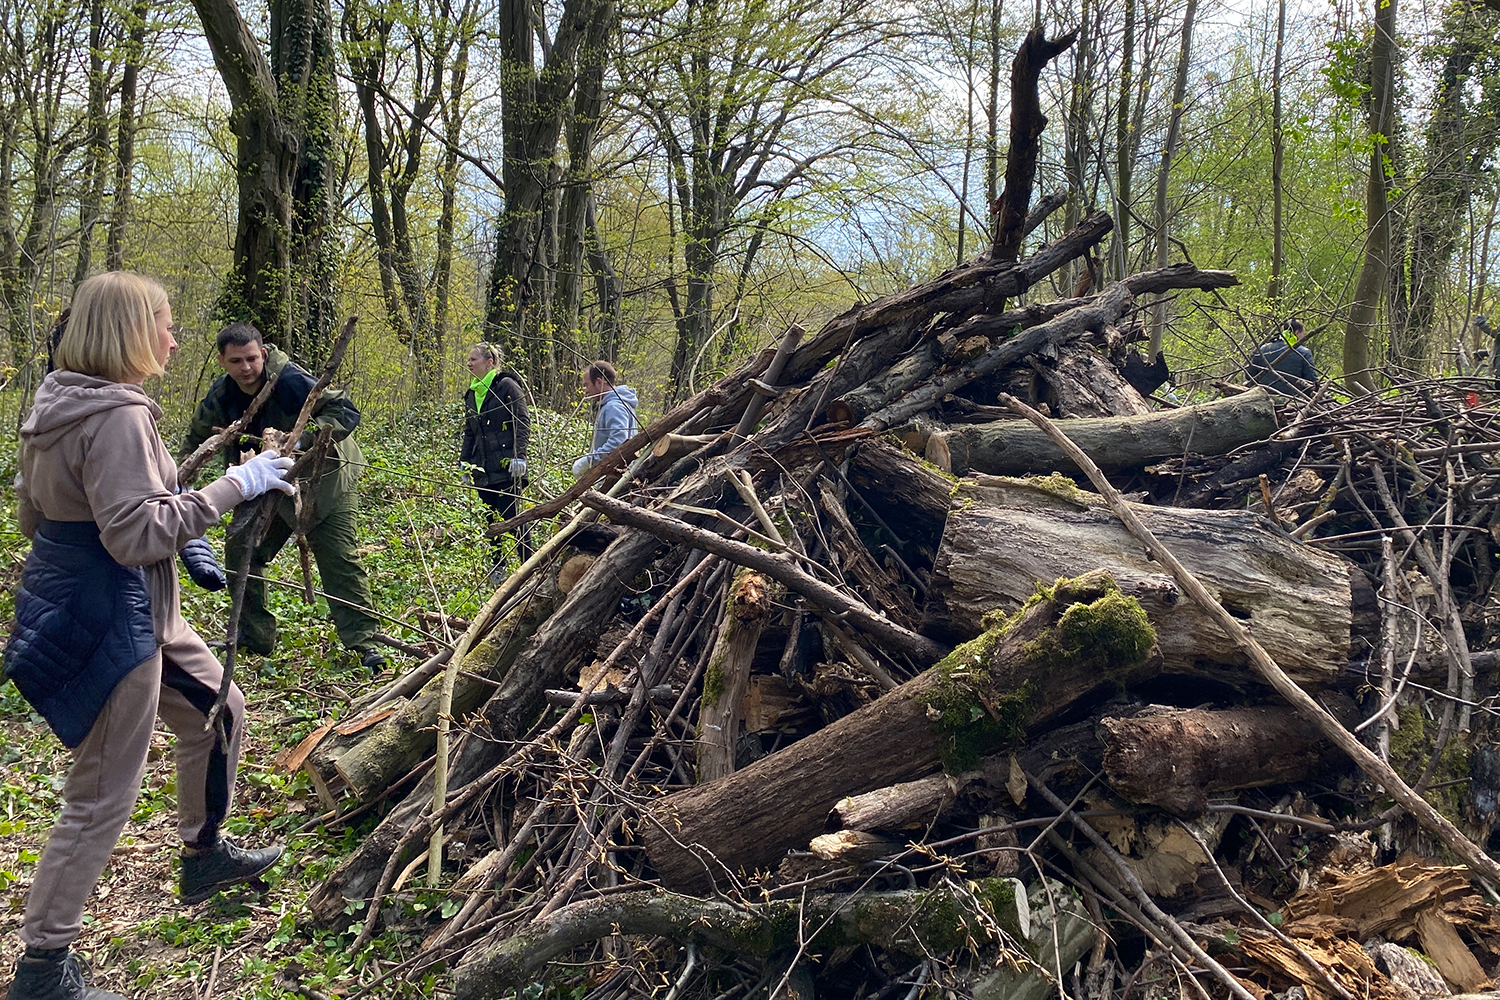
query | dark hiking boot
[372, 660]
[54, 974]
[205, 872]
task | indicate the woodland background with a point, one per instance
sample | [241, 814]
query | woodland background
[670, 183]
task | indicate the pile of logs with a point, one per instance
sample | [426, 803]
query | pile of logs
[852, 675]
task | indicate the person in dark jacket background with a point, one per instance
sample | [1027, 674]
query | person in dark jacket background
[99, 646]
[1285, 365]
[331, 488]
[497, 430]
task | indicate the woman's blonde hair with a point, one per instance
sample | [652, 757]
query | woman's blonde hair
[112, 328]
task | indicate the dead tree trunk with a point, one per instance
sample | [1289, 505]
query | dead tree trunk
[728, 675]
[984, 694]
[1026, 126]
[1175, 759]
[1298, 602]
[1014, 447]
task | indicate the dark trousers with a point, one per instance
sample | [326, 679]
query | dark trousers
[504, 501]
[334, 546]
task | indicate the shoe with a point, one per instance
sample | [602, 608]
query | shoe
[53, 974]
[496, 575]
[226, 864]
[372, 660]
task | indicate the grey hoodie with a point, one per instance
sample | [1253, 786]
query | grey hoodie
[615, 423]
[90, 451]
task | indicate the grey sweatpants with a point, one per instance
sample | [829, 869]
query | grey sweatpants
[179, 684]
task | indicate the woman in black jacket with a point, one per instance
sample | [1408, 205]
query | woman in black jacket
[497, 427]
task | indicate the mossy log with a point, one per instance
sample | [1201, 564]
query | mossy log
[1004, 536]
[1016, 448]
[1080, 642]
[913, 922]
[374, 758]
[1174, 759]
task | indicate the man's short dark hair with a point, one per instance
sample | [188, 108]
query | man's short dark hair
[240, 335]
[603, 370]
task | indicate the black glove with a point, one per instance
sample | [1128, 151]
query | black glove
[202, 565]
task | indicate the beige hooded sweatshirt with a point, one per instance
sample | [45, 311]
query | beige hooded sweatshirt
[90, 451]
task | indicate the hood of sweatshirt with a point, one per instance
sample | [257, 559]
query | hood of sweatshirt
[620, 395]
[66, 399]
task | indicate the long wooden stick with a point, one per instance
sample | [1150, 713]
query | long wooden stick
[1422, 810]
[833, 602]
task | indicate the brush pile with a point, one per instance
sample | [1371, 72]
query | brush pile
[853, 684]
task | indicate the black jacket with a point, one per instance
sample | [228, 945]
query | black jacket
[83, 622]
[497, 433]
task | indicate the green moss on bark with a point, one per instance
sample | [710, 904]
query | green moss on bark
[1099, 627]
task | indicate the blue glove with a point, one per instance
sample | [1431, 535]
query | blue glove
[202, 565]
[517, 468]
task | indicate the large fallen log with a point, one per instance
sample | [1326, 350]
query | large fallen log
[913, 922]
[1174, 759]
[1013, 447]
[1004, 536]
[1082, 642]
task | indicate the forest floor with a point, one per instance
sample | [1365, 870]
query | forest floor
[423, 545]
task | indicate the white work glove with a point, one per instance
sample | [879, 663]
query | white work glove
[581, 466]
[517, 468]
[265, 471]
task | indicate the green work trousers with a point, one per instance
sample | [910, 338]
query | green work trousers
[333, 545]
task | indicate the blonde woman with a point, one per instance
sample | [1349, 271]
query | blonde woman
[99, 646]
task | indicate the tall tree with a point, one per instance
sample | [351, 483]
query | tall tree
[1278, 154]
[1461, 138]
[394, 47]
[126, 124]
[1127, 137]
[1162, 215]
[534, 102]
[1369, 291]
[743, 100]
[283, 114]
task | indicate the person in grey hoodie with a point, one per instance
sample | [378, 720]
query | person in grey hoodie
[615, 420]
[99, 646]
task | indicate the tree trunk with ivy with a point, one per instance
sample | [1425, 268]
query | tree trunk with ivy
[283, 113]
